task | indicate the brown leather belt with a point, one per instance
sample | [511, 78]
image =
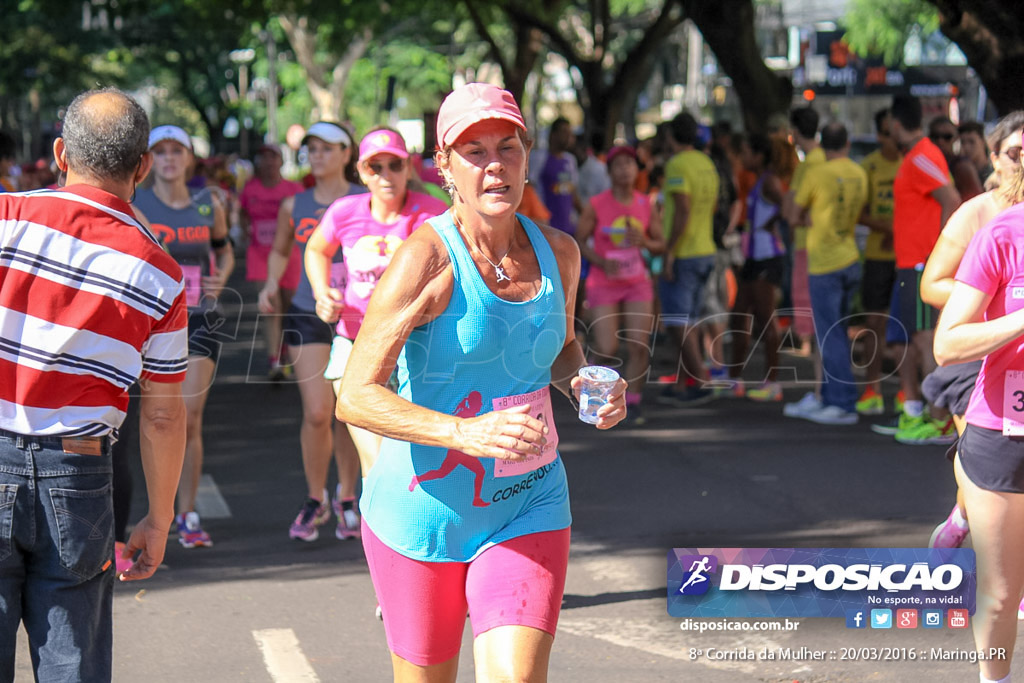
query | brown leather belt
[83, 445]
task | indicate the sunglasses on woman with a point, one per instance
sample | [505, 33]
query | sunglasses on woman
[377, 168]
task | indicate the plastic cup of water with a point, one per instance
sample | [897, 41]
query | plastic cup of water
[598, 382]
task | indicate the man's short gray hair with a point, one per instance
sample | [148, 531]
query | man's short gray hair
[105, 137]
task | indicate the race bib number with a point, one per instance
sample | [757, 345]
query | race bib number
[193, 284]
[1013, 403]
[339, 275]
[629, 261]
[540, 408]
[265, 230]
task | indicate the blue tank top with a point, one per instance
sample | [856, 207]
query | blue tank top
[436, 505]
[306, 214]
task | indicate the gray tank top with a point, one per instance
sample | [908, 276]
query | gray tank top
[185, 234]
[306, 214]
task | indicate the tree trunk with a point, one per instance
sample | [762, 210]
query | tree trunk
[528, 45]
[327, 93]
[728, 29]
[990, 34]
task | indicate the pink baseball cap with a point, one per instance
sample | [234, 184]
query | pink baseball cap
[617, 150]
[472, 103]
[382, 141]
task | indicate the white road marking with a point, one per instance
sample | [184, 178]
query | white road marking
[209, 503]
[283, 657]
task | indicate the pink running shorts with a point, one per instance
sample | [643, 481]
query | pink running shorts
[611, 293]
[516, 583]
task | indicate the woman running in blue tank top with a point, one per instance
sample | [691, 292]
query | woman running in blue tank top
[466, 507]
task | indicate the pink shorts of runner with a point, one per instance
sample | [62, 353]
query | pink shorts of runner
[516, 583]
[610, 293]
[256, 259]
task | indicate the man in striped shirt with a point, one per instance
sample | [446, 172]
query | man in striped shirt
[89, 304]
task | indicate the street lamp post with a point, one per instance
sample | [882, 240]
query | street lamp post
[243, 58]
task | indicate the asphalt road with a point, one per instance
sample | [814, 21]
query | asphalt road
[732, 473]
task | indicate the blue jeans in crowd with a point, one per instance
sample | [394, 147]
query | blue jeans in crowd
[56, 551]
[831, 297]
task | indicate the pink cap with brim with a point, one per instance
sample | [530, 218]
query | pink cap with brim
[617, 150]
[472, 103]
[382, 142]
[161, 133]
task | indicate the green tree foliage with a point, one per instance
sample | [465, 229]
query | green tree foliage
[882, 27]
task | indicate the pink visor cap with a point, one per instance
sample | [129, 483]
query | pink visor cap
[472, 103]
[382, 142]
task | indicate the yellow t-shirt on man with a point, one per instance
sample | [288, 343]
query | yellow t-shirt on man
[814, 157]
[834, 194]
[692, 173]
[881, 174]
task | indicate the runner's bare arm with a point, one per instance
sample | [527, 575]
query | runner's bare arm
[320, 251]
[224, 254]
[963, 335]
[415, 289]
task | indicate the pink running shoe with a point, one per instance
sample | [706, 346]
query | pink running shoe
[948, 534]
[313, 514]
[190, 533]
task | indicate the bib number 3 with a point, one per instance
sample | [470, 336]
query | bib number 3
[1013, 403]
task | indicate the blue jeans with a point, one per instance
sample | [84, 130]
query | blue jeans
[683, 297]
[831, 296]
[56, 552]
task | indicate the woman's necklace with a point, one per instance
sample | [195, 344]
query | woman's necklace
[499, 272]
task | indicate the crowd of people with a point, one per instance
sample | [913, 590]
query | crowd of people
[528, 264]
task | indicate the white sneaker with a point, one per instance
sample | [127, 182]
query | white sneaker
[810, 403]
[833, 415]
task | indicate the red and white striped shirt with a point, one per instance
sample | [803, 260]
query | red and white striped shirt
[89, 303]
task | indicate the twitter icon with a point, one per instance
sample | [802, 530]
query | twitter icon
[881, 618]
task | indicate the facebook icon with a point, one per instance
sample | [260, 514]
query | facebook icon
[856, 618]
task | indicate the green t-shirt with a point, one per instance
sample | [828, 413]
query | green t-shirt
[692, 173]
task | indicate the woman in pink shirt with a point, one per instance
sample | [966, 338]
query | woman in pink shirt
[368, 229]
[260, 201]
[984, 319]
[613, 229]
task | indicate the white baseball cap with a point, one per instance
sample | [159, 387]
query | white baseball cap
[161, 133]
[328, 132]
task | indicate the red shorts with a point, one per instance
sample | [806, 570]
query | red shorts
[611, 293]
[800, 294]
[256, 258]
[516, 583]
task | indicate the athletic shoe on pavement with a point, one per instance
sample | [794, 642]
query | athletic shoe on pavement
[348, 525]
[190, 533]
[897, 403]
[810, 403]
[767, 391]
[870, 403]
[689, 398]
[313, 514]
[928, 432]
[833, 415]
[948, 534]
[901, 422]
[634, 416]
